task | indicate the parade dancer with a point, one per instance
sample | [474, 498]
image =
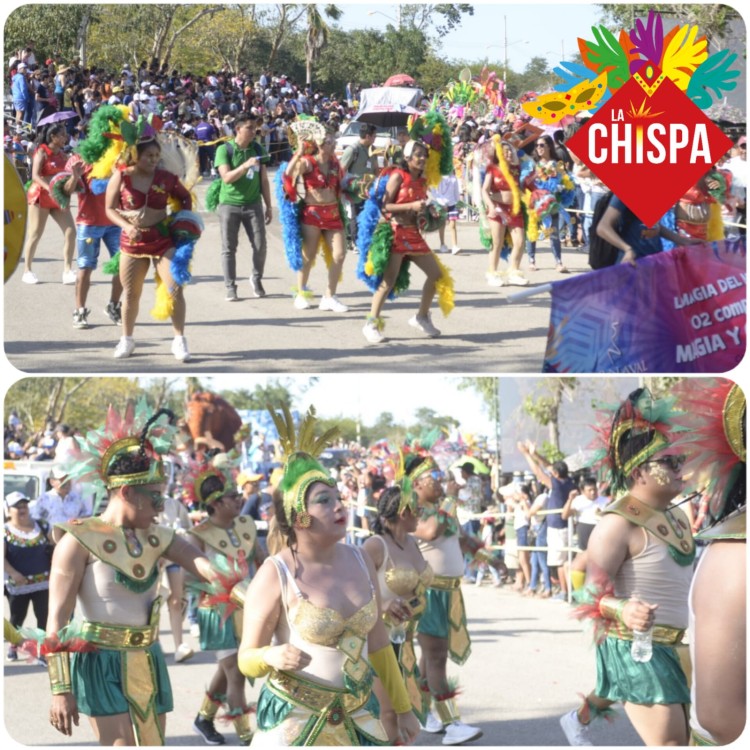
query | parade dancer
[110, 665]
[501, 200]
[716, 443]
[442, 631]
[229, 540]
[318, 601]
[146, 198]
[403, 575]
[389, 244]
[319, 214]
[92, 227]
[640, 566]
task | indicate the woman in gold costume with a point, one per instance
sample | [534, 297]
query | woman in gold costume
[318, 601]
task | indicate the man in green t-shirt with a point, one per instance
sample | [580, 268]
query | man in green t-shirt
[242, 167]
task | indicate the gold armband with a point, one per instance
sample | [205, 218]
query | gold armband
[58, 666]
[386, 668]
[483, 555]
[238, 592]
[252, 662]
[612, 607]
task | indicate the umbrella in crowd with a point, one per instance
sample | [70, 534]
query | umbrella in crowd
[479, 467]
[580, 460]
[400, 79]
[57, 117]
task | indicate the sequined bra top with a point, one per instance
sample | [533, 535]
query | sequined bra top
[395, 582]
[322, 625]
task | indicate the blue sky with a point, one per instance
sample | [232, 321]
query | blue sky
[542, 29]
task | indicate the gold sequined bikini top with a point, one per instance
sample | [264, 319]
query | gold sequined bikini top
[404, 581]
[322, 625]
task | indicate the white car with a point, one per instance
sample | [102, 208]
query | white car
[386, 136]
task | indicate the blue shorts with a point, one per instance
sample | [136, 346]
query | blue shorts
[88, 240]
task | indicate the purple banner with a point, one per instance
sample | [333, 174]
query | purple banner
[676, 312]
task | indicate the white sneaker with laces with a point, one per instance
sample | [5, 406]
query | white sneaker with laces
[180, 349]
[455, 250]
[183, 653]
[29, 277]
[425, 325]
[494, 279]
[517, 279]
[332, 304]
[69, 277]
[372, 334]
[301, 302]
[576, 733]
[457, 733]
[432, 725]
[124, 348]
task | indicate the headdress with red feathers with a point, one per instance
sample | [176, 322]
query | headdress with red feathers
[198, 471]
[714, 441]
[139, 435]
[633, 432]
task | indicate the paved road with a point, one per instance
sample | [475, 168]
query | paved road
[529, 661]
[483, 334]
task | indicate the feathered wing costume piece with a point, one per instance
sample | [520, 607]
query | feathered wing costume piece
[226, 590]
[290, 207]
[136, 431]
[714, 441]
[631, 433]
[301, 468]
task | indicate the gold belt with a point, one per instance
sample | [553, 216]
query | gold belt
[119, 636]
[445, 583]
[314, 697]
[662, 634]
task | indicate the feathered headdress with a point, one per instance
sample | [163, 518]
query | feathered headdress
[432, 129]
[639, 428]
[126, 450]
[418, 447]
[404, 482]
[301, 468]
[198, 471]
[714, 441]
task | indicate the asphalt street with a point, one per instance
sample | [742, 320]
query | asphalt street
[484, 333]
[529, 662]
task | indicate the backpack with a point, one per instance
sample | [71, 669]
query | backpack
[601, 252]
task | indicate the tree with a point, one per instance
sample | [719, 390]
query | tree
[544, 406]
[715, 21]
[316, 36]
[442, 17]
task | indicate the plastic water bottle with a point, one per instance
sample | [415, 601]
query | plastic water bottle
[397, 633]
[642, 648]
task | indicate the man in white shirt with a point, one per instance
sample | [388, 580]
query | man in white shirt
[61, 503]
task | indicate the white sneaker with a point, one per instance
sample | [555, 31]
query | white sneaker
[301, 302]
[576, 733]
[183, 653]
[195, 629]
[455, 250]
[372, 333]
[494, 278]
[180, 349]
[432, 725]
[517, 279]
[443, 249]
[425, 325]
[457, 733]
[124, 347]
[69, 277]
[332, 304]
[29, 277]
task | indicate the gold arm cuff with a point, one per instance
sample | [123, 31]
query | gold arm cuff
[445, 583]
[664, 635]
[58, 665]
[238, 592]
[119, 637]
[611, 607]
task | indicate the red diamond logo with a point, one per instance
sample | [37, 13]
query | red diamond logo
[649, 144]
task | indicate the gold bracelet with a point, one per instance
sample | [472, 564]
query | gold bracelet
[58, 665]
[612, 607]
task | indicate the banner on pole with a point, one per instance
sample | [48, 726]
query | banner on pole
[681, 311]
